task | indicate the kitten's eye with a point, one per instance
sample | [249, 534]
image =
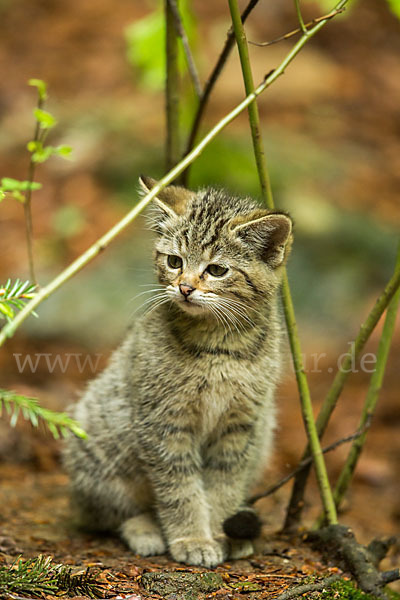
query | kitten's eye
[175, 262]
[216, 270]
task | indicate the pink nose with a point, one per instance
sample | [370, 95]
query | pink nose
[185, 289]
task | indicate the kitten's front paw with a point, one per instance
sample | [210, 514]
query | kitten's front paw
[202, 552]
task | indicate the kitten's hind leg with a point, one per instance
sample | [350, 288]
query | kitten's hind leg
[143, 535]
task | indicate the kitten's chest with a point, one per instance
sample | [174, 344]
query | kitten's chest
[224, 387]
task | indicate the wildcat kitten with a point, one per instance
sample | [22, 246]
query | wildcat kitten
[180, 424]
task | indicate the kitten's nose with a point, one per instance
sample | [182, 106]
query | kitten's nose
[186, 289]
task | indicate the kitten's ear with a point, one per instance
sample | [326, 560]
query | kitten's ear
[172, 199]
[271, 233]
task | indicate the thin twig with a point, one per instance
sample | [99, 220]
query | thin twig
[307, 461]
[299, 590]
[300, 16]
[372, 394]
[102, 243]
[180, 30]
[281, 38]
[171, 89]
[27, 201]
[296, 501]
[209, 86]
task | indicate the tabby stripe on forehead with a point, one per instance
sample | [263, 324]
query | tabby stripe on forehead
[215, 235]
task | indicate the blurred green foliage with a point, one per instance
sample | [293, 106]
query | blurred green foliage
[145, 42]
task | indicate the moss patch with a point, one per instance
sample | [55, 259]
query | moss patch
[346, 590]
[182, 586]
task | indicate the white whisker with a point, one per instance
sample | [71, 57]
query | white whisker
[154, 299]
[238, 310]
[156, 305]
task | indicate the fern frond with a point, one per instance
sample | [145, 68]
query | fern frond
[38, 576]
[14, 296]
[59, 423]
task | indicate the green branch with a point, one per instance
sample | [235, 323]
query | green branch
[108, 237]
[58, 423]
[300, 16]
[304, 392]
[296, 501]
[254, 117]
[372, 394]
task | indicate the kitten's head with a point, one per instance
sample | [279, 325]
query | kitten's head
[217, 254]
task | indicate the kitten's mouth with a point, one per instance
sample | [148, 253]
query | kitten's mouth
[190, 305]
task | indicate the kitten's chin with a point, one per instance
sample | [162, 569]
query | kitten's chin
[191, 308]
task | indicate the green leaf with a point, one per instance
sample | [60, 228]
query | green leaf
[42, 154]
[2, 195]
[41, 87]
[11, 185]
[394, 6]
[46, 119]
[63, 151]
[18, 196]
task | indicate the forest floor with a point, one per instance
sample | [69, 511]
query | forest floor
[35, 517]
[34, 520]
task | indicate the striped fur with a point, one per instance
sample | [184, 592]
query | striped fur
[181, 422]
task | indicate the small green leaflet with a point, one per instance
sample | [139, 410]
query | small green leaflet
[41, 153]
[41, 87]
[46, 119]
[11, 185]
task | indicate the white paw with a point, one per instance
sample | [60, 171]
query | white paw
[143, 536]
[150, 545]
[202, 552]
[240, 549]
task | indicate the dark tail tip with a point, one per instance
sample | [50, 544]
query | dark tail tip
[243, 525]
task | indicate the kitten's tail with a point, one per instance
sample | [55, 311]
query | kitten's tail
[243, 525]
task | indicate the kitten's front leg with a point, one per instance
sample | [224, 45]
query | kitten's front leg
[173, 467]
[228, 461]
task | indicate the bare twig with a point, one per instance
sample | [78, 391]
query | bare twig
[209, 86]
[307, 461]
[339, 541]
[180, 30]
[171, 89]
[281, 38]
[299, 590]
